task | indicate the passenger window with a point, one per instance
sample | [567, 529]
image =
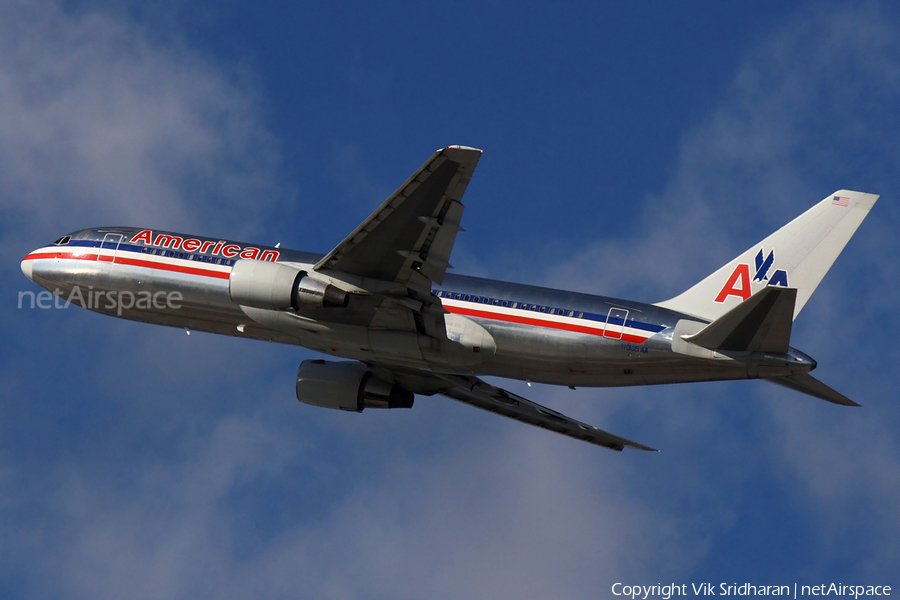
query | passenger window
[486, 301]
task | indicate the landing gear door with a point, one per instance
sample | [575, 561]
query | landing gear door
[615, 323]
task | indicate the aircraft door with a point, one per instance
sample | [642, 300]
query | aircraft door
[110, 241]
[615, 323]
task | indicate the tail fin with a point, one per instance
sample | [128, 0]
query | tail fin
[798, 255]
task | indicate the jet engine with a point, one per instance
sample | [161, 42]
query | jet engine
[347, 386]
[275, 286]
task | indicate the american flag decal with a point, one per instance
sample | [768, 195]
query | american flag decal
[841, 201]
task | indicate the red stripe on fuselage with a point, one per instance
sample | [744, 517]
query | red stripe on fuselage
[72, 255]
[122, 260]
[540, 323]
[167, 267]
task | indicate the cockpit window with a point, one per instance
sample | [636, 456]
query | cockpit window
[63, 240]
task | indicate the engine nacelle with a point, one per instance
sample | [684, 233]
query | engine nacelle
[347, 386]
[275, 286]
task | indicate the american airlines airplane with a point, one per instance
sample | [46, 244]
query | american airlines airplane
[383, 301]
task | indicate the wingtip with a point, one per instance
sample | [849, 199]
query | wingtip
[464, 148]
[637, 446]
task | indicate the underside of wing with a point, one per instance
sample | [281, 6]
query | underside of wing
[409, 238]
[475, 392]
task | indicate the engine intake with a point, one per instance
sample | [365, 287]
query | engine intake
[347, 386]
[275, 286]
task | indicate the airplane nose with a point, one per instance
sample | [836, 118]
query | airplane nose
[27, 265]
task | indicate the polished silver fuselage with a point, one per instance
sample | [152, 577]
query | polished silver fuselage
[538, 334]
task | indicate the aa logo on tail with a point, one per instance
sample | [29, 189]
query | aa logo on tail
[738, 283]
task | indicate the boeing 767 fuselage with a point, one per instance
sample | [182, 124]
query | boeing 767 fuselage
[382, 300]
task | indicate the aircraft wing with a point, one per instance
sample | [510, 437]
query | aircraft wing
[476, 392]
[408, 239]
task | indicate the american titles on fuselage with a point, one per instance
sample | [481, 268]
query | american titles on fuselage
[222, 247]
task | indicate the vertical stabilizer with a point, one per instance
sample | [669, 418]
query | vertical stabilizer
[796, 256]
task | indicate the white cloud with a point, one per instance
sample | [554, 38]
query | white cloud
[94, 111]
[811, 110]
[474, 521]
[103, 124]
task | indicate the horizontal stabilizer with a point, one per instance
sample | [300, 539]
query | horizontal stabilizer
[811, 386]
[761, 324]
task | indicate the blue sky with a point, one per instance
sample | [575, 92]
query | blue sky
[629, 151]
